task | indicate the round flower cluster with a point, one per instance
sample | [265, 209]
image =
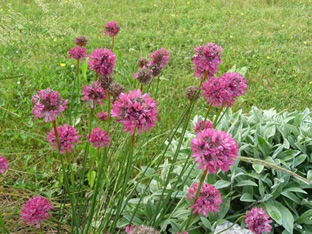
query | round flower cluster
[159, 57]
[214, 150]
[208, 201]
[67, 134]
[223, 91]
[94, 93]
[144, 76]
[4, 165]
[206, 60]
[102, 61]
[199, 126]
[116, 89]
[36, 210]
[78, 53]
[111, 28]
[135, 111]
[98, 138]
[258, 221]
[47, 104]
[106, 81]
[81, 41]
[102, 116]
[190, 93]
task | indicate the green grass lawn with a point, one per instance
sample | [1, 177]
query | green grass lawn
[272, 38]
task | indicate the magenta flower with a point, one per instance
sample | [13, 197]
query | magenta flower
[102, 61]
[36, 210]
[214, 150]
[111, 28]
[94, 93]
[78, 53]
[102, 116]
[209, 199]
[81, 41]
[199, 126]
[47, 104]
[98, 138]
[135, 111]
[67, 136]
[159, 57]
[217, 92]
[207, 59]
[4, 165]
[258, 221]
[237, 84]
[129, 229]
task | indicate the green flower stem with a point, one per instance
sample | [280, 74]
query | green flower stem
[125, 182]
[224, 112]
[113, 42]
[217, 116]
[236, 221]
[78, 82]
[273, 166]
[41, 229]
[96, 189]
[141, 88]
[65, 176]
[206, 116]
[108, 112]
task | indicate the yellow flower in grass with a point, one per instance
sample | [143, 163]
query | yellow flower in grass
[268, 57]
[62, 64]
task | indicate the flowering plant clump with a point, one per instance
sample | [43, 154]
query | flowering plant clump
[111, 28]
[159, 57]
[258, 221]
[135, 111]
[78, 53]
[99, 138]
[199, 126]
[102, 61]
[48, 104]
[102, 116]
[36, 210]
[4, 165]
[81, 41]
[206, 60]
[208, 201]
[67, 134]
[214, 150]
[237, 84]
[94, 93]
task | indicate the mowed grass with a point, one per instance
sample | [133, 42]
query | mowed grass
[271, 38]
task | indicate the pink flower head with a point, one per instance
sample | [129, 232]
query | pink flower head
[81, 41]
[98, 138]
[102, 116]
[207, 59]
[216, 91]
[159, 57]
[258, 221]
[237, 84]
[67, 136]
[36, 210]
[111, 28]
[129, 229]
[209, 199]
[199, 126]
[102, 61]
[94, 93]
[135, 111]
[214, 150]
[78, 53]
[4, 165]
[47, 104]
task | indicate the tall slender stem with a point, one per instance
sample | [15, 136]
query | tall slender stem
[206, 116]
[78, 82]
[113, 42]
[141, 88]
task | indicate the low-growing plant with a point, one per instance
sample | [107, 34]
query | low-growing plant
[229, 164]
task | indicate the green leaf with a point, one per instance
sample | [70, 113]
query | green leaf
[149, 211]
[246, 183]
[222, 184]
[287, 217]
[257, 167]
[305, 218]
[273, 212]
[91, 177]
[206, 222]
[247, 197]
